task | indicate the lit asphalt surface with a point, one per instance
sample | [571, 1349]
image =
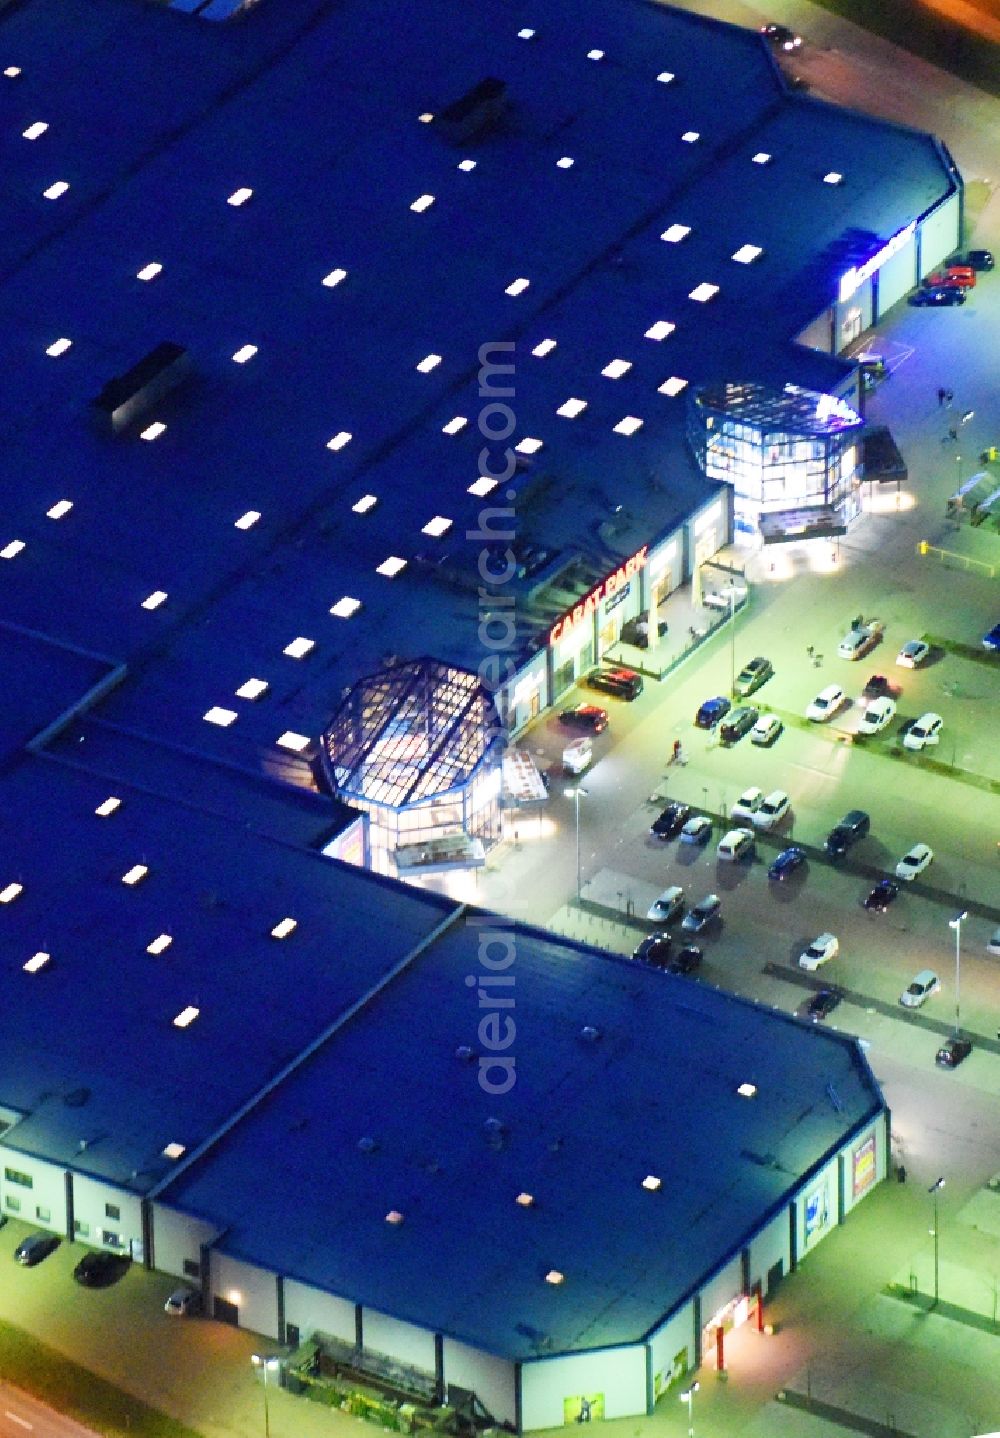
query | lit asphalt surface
[21, 1414]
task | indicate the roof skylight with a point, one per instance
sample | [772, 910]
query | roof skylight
[152, 431]
[391, 566]
[525, 34]
[174, 1150]
[248, 519]
[746, 254]
[832, 177]
[244, 353]
[154, 600]
[283, 928]
[571, 408]
[690, 136]
[554, 1276]
[525, 1200]
[12, 550]
[543, 348]
[426, 118]
[150, 271]
[10, 892]
[12, 72]
[628, 425]
[394, 1217]
[291, 740]
[565, 162]
[528, 445]
[651, 1183]
[160, 944]
[595, 54]
[33, 131]
[466, 165]
[422, 203]
[222, 717]
[364, 504]
[252, 689]
[299, 648]
[345, 607]
[108, 806]
[240, 196]
[334, 278]
[482, 486]
[660, 330]
[428, 363]
[616, 369]
[672, 386]
[454, 425]
[673, 234]
[703, 292]
[747, 1090]
[36, 962]
[437, 526]
[665, 77]
[58, 347]
[55, 190]
[517, 287]
[341, 438]
[61, 508]
[761, 158]
[135, 875]
[186, 1016]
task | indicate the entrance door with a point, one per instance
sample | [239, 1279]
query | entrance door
[226, 1312]
[292, 1336]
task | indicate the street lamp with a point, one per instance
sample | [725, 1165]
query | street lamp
[933, 1191]
[575, 793]
[732, 640]
[688, 1397]
[260, 1360]
[956, 924]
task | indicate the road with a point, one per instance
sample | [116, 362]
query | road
[21, 1416]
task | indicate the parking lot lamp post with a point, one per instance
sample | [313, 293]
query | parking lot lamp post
[688, 1397]
[575, 793]
[956, 924]
[933, 1191]
[732, 641]
[260, 1361]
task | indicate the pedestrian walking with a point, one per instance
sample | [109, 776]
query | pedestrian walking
[953, 435]
[810, 650]
[949, 395]
[942, 392]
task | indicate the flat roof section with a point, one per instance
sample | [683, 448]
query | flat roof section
[42, 681]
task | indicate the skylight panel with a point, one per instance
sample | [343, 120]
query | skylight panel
[61, 508]
[832, 177]
[422, 203]
[526, 34]
[252, 689]
[616, 369]
[12, 72]
[290, 740]
[334, 278]
[482, 486]
[437, 526]
[672, 386]
[154, 600]
[746, 254]
[33, 131]
[298, 648]
[554, 1277]
[761, 158]
[528, 445]
[174, 1150]
[341, 438]
[571, 408]
[160, 944]
[595, 54]
[240, 196]
[12, 550]
[703, 292]
[455, 425]
[690, 137]
[660, 330]
[58, 347]
[391, 567]
[55, 190]
[186, 1016]
[651, 1183]
[10, 892]
[364, 504]
[221, 717]
[747, 1090]
[152, 431]
[467, 165]
[345, 607]
[543, 348]
[36, 962]
[428, 363]
[283, 928]
[150, 271]
[525, 1200]
[135, 875]
[673, 234]
[247, 520]
[108, 806]
[244, 353]
[565, 162]
[426, 118]
[517, 287]
[665, 77]
[628, 425]
[394, 1217]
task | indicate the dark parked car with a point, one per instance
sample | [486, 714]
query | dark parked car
[35, 1247]
[881, 896]
[940, 295]
[780, 36]
[853, 826]
[585, 716]
[98, 1269]
[636, 632]
[685, 961]
[787, 862]
[821, 1005]
[701, 914]
[952, 1052]
[877, 687]
[753, 675]
[671, 821]
[979, 259]
[737, 723]
[991, 640]
[653, 950]
[622, 683]
[712, 711]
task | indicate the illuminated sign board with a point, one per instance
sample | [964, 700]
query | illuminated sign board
[856, 275]
[864, 1167]
[616, 580]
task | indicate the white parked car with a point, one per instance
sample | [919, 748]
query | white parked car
[913, 652]
[879, 713]
[922, 986]
[748, 803]
[766, 730]
[826, 703]
[860, 640]
[925, 730]
[668, 906]
[183, 1301]
[915, 862]
[737, 844]
[819, 952]
[772, 811]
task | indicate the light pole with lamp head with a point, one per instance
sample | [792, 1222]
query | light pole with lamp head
[732, 641]
[576, 792]
[956, 924]
[261, 1361]
[933, 1191]
[688, 1397]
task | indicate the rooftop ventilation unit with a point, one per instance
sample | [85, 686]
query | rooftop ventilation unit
[475, 112]
[127, 396]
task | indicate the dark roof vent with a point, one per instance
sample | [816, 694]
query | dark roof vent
[76, 1098]
[589, 1033]
[367, 1145]
[473, 113]
[464, 1053]
[129, 395]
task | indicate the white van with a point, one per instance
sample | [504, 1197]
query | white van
[923, 731]
[577, 756]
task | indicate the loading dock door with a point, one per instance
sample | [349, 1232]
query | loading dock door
[226, 1312]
